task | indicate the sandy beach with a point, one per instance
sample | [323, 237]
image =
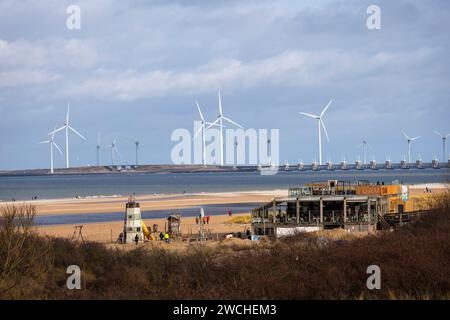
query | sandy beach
[148, 202]
[107, 232]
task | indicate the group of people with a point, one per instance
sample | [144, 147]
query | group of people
[166, 236]
[204, 220]
[163, 236]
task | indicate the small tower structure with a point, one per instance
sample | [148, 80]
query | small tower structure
[132, 222]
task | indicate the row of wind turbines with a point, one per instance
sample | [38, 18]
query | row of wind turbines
[320, 126]
[365, 144]
[205, 125]
[67, 128]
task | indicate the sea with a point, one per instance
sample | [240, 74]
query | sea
[87, 185]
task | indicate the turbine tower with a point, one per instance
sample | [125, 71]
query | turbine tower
[67, 127]
[410, 140]
[219, 120]
[364, 146]
[98, 147]
[203, 129]
[114, 149]
[52, 144]
[320, 124]
[136, 143]
[444, 138]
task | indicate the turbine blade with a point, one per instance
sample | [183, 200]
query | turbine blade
[56, 146]
[220, 104]
[198, 131]
[199, 111]
[406, 136]
[415, 138]
[231, 121]
[118, 152]
[57, 130]
[325, 109]
[325, 129]
[68, 112]
[77, 133]
[43, 142]
[309, 115]
[213, 124]
[440, 135]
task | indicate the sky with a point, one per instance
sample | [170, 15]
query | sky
[135, 69]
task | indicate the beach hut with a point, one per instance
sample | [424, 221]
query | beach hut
[174, 224]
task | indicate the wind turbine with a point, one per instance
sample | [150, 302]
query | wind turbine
[136, 143]
[320, 123]
[364, 146]
[220, 119]
[67, 127]
[409, 144]
[444, 138]
[114, 149]
[98, 147]
[52, 143]
[203, 129]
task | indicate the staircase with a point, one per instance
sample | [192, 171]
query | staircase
[383, 223]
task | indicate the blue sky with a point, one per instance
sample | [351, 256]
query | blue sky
[135, 69]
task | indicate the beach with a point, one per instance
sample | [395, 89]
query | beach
[108, 231]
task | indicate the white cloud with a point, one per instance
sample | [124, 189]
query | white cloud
[21, 77]
[52, 53]
[294, 68]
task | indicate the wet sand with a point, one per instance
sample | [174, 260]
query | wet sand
[148, 203]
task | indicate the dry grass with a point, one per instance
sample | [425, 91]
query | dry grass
[240, 219]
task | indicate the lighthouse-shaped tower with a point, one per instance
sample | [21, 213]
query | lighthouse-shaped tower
[133, 222]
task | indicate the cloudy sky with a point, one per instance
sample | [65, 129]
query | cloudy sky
[135, 69]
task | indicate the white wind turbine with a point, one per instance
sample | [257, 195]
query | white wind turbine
[320, 124]
[114, 149]
[410, 140]
[51, 142]
[444, 138]
[203, 129]
[220, 119]
[364, 146]
[67, 127]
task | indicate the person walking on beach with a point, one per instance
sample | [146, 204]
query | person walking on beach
[207, 219]
[230, 213]
[136, 239]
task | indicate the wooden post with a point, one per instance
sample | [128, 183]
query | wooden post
[274, 206]
[297, 207]
[321, 210]
[345, 209]
[368, 210]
